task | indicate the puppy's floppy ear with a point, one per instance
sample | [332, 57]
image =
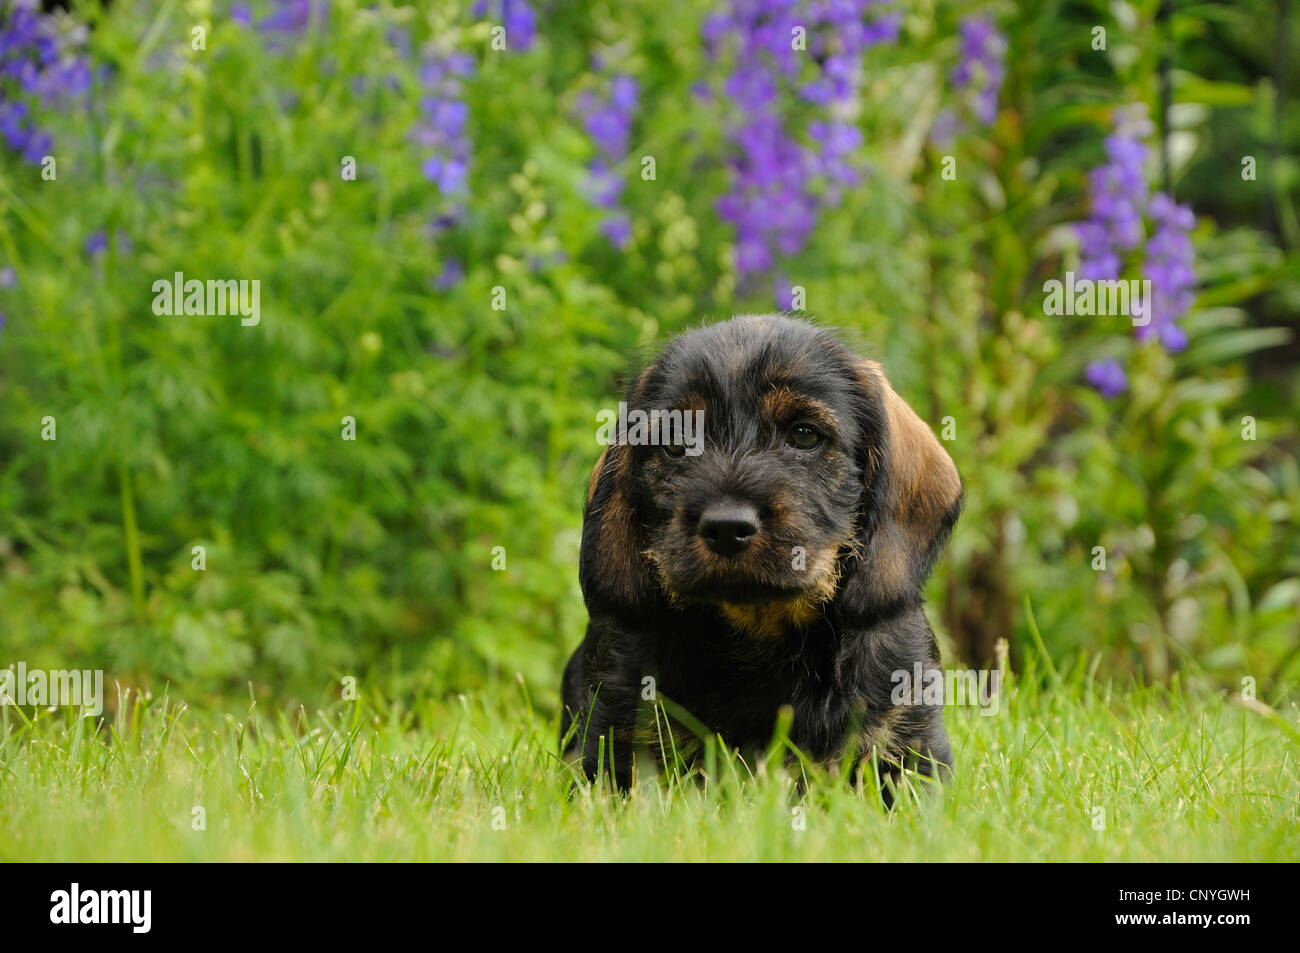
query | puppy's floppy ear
[913, 497]
[596, 472]
[612, 568]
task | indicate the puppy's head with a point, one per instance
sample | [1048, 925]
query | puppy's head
[812, 484]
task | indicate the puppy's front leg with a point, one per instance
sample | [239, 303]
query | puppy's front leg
[613, 666]
[908, 738]
[880, 709]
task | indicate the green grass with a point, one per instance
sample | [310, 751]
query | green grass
[1179, 778]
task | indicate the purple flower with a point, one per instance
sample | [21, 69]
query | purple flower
[38, 147]
[1171, 267]
[294, 16]
[623, 92]
[781, 178]
[8, 277]
[838, 141]
[1107, 377]
[452, 274]
[1116, 226]
[884, 29]
[607, 117]
[515, 15]
[608, 120]
[12, 119]
[446, 173]
[442, 130]
[945, 127]
[977, 77]
[1117, 191]
[783, 292]
[1119, 208]
[1172, 337]
[450, 117]
[618, 229]
[97, 243]
[39, 66]
[604, 186]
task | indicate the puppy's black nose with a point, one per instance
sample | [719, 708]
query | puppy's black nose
[728, 527]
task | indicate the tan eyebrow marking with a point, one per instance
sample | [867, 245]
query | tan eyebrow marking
[784, 405]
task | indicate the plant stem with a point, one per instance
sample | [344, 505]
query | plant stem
[132, 534]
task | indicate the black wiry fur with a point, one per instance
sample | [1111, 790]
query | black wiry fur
[654, 594]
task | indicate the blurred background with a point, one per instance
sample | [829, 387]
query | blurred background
[470, 221]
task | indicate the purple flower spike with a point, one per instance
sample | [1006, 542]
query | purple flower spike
[39, 67]
[443, 130]
[607, 118]
[1171, 268]
[1115, 230]
[782, 177]
[978, 75]
[1117, 192]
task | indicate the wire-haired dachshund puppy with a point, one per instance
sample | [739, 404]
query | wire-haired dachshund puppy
[777, 561]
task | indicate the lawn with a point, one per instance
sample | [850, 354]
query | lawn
[1066, 770]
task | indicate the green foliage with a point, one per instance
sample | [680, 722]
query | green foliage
[1082, 772]
[475, 427]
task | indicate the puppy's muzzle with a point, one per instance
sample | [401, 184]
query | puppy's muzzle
[728, 526]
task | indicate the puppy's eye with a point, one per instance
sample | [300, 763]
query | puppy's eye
[674, 450]
[803, 437]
